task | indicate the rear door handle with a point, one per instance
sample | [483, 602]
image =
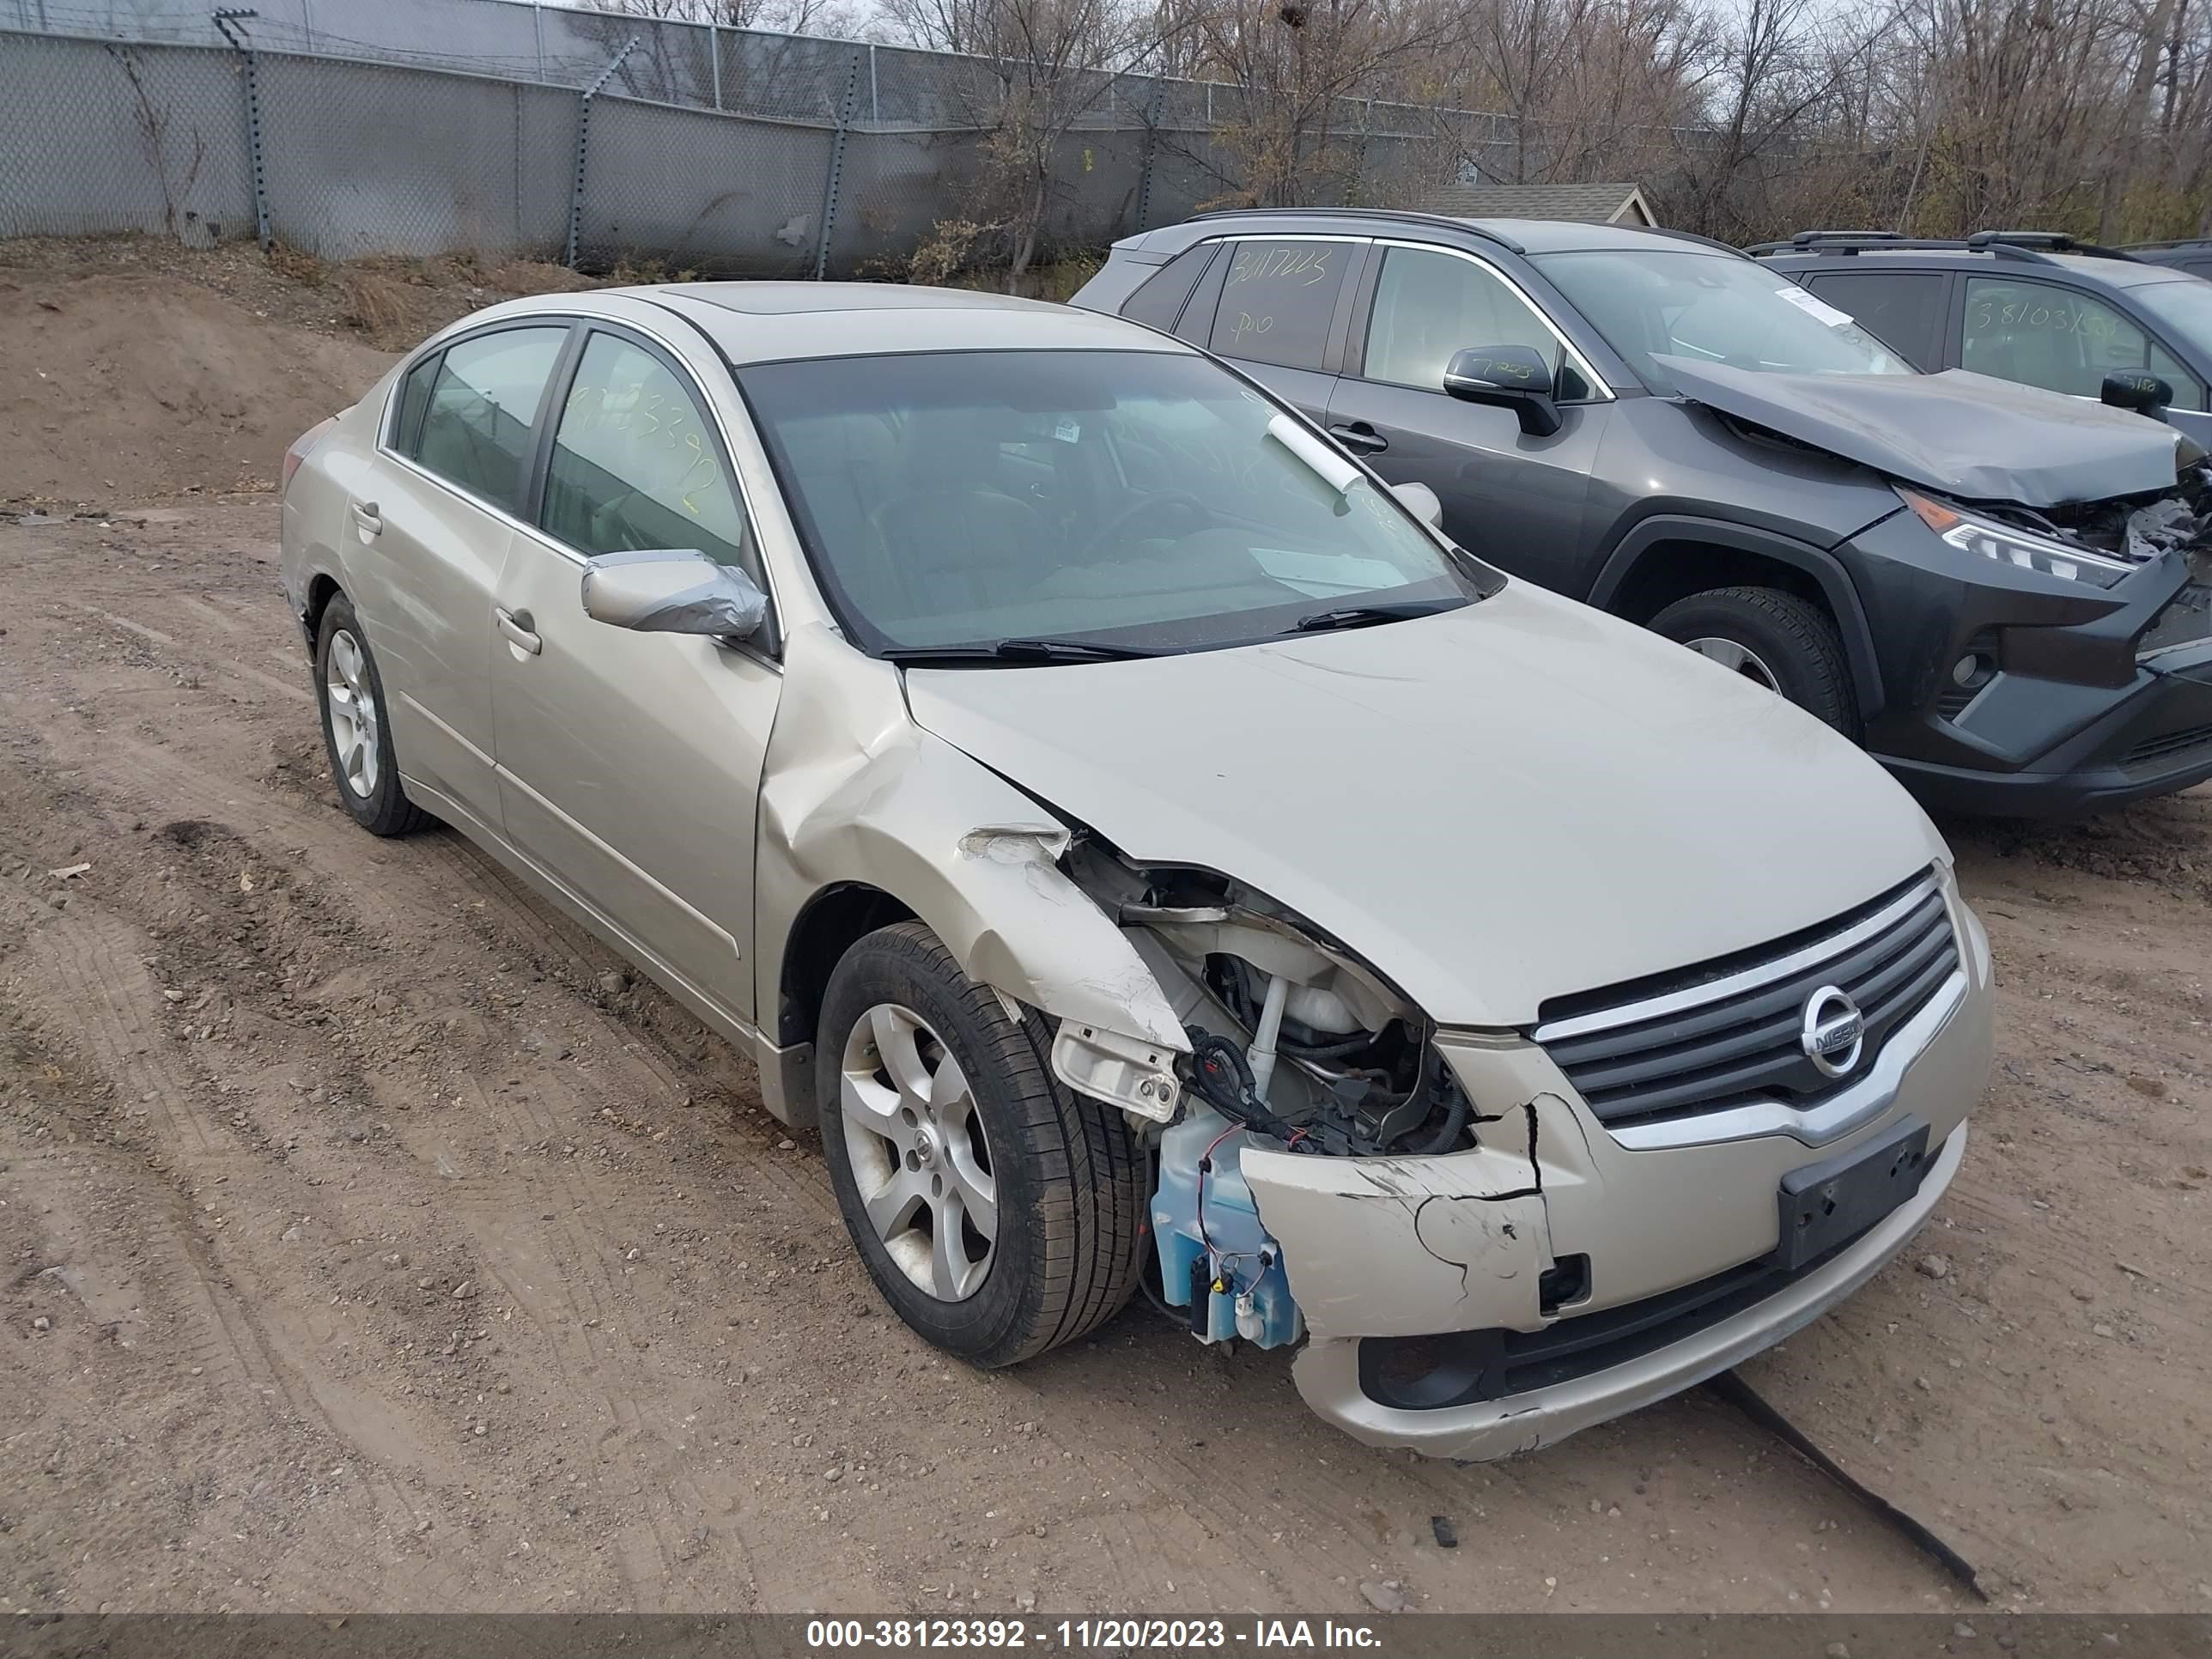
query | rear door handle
[515, 625]
[1361, 437]
[365, 518]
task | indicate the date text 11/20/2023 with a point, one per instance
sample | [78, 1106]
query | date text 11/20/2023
[1087, 1635]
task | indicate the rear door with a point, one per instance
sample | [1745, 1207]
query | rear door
[1278, 307]
[1516, 499]
[428, 533]
[629, 763]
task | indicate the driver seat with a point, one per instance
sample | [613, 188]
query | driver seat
[956, 541]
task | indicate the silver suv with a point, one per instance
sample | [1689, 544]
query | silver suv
[1145, 848]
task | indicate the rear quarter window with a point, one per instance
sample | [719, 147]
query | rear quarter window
[1158, 301]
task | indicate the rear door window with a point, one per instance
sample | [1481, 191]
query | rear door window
[1903, 309]
[479, 418]
[2042, 335]
[1278, 300]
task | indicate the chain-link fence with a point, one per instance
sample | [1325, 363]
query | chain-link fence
[594, 137]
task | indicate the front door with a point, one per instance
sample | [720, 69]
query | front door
[2041, 334]
[629, 763]
[1518, 500]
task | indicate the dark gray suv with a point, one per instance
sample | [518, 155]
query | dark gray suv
[2005, 593]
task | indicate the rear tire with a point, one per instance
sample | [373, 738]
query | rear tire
[999, 1213]
[1775, 639]
[356, 732]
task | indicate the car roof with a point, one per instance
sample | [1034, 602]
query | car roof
[776, 321]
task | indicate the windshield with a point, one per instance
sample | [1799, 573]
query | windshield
[1138, 499]
[1678, 302]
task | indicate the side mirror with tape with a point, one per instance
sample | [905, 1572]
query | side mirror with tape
[672, 590]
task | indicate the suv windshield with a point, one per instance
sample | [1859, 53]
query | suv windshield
[1679, 303]
[1131, 500]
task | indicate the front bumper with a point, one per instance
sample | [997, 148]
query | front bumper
[1328, 1373]
[1599, 1270]
[2097, 698]
[2151, 737]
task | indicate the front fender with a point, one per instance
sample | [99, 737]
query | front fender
[854, 792]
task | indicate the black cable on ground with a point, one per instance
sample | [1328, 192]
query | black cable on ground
[1740, 1394]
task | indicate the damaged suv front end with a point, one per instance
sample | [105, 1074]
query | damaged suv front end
[2037, 587]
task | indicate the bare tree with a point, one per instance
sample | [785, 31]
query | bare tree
[1299, 68]
[1036, 69]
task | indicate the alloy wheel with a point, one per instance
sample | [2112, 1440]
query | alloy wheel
[353, 713]
[1737, 660]
[918, 1152]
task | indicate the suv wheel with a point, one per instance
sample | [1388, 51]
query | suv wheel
[355, 730]
[999, 1213]
[1773, 639]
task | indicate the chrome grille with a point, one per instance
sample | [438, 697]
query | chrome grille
[1725, 1032]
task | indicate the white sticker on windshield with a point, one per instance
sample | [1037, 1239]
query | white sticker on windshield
[1812, 306]
[1068, 431]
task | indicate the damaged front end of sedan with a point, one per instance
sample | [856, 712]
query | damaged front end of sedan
[1323, 1158]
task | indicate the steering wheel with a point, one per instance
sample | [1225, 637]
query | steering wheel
[1200, 512]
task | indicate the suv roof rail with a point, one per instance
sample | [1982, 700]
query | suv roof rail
[2015, 243]
[1848, 241]
[2032, 244]
[1472, 227]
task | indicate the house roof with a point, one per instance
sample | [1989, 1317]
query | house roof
[1595, 204]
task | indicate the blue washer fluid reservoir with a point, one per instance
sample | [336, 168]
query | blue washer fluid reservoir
[1253, 1299]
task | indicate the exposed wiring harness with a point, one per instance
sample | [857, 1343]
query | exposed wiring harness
[1219, 1073]
[1216, 1071]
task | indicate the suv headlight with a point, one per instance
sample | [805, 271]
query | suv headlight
[2007, 546]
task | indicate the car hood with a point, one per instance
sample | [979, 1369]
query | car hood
[1504, 803]
[1962, 434]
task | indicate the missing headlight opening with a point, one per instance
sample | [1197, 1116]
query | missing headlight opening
[1294, 1042]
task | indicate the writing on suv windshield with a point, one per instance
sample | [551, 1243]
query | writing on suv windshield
[999, 507]
[1713, 308]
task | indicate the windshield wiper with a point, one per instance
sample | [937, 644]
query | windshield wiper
[930, 656]
[1366, 616]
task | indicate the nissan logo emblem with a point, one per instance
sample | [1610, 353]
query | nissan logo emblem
[1832, 1031]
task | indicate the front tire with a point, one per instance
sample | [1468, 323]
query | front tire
[356, 732]
[999, 1213]
[1776, 641]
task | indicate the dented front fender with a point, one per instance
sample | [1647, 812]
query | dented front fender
[854, 793]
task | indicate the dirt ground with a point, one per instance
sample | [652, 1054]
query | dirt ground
[372, 1239]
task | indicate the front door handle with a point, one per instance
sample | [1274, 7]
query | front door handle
[1360, 437]
[515, 625]
[366, 519]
